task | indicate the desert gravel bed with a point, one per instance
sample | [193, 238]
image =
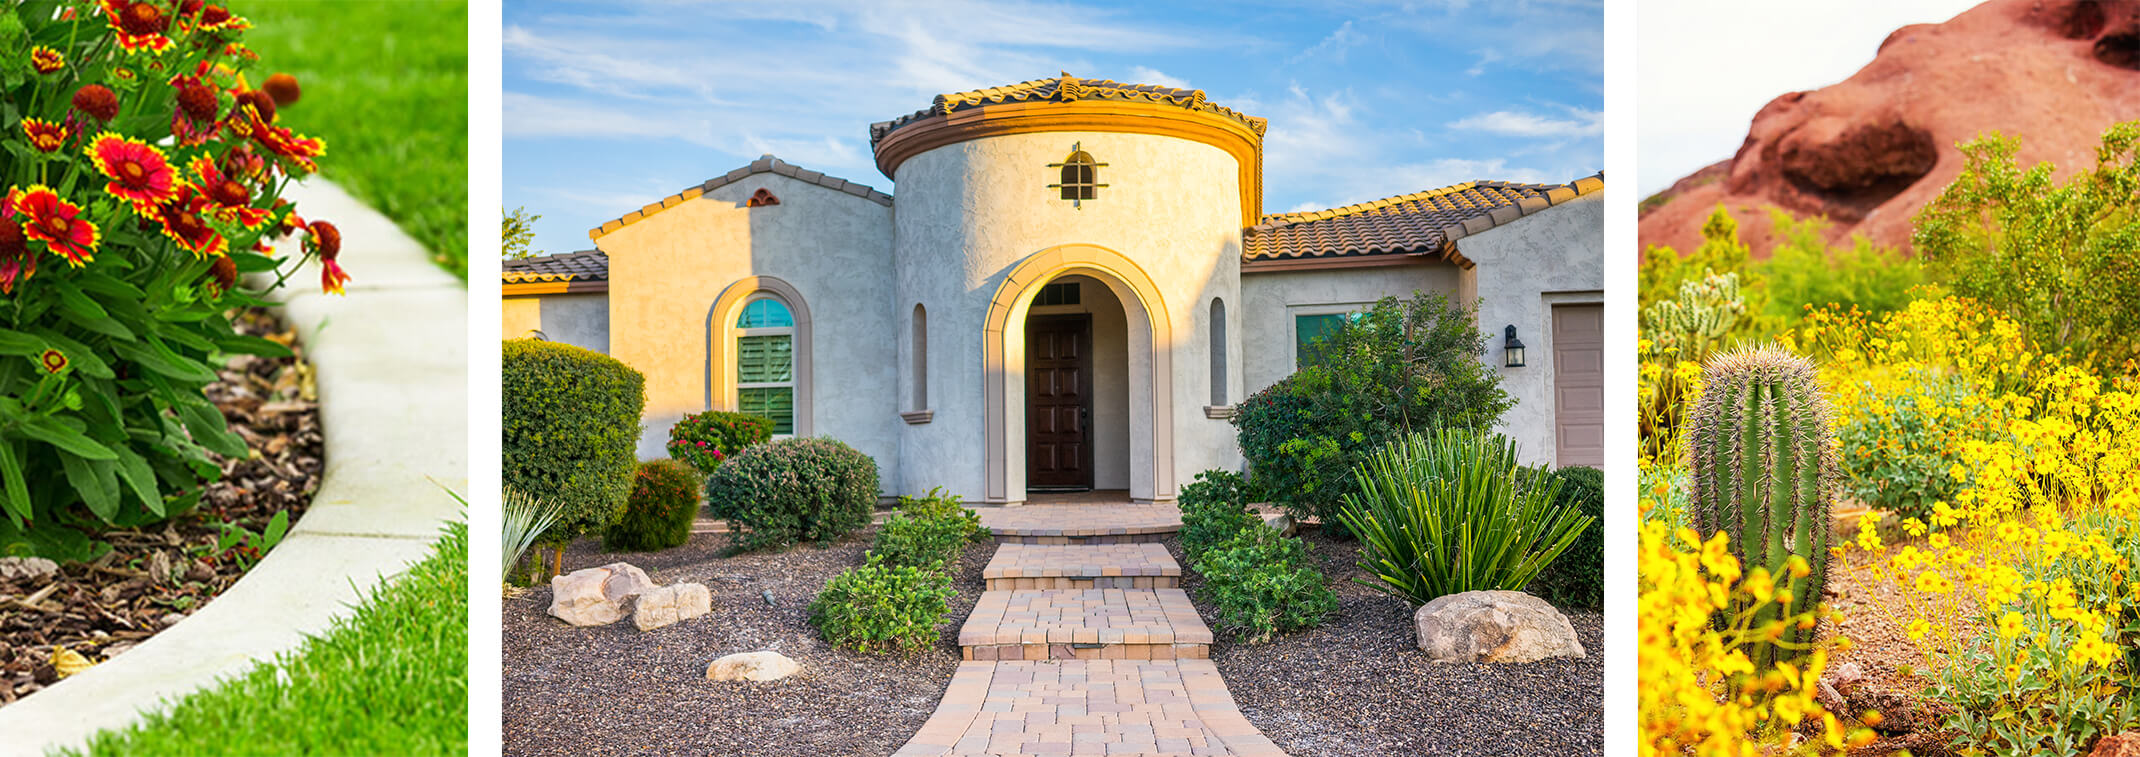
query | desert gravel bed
[613, 690]
[1358, 685]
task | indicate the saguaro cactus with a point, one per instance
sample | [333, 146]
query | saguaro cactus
[1764, 471]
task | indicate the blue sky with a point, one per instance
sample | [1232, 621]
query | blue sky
[611, 105]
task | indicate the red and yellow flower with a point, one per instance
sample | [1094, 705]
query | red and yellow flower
[193, 116]
[139, 25]
[229, 199]
[139, 173]
[53, 361]
[16, 260]
[57, 223]
[45, 135]
[46, 60]
[324, 239]
[185, 221]
[252, 118]
[196, 14]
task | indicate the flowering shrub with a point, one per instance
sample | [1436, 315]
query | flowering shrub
[705, 439]
[1901, 454]
[660, 511]
[141, 177]
[1700, 693]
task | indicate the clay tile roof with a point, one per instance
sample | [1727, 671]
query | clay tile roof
[585, 265]
[1418, 223]
[764, 164]
[1064, 88]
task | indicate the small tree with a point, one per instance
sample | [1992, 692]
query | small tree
[2060, 259]
[571, 433]
[519, 234]
[1399, 367]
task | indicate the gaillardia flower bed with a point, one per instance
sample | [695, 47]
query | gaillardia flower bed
[141, 173]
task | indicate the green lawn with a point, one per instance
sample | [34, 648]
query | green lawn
[391, 679]
[386, 84]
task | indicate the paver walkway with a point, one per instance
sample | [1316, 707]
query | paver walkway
[1084, 644]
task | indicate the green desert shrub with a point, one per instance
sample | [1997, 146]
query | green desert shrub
[571, 431]
[926, 532]
[659, 514]
[1399, 366]
[1452, 512]
[791, 490]
[705, 439]
[1577, 577]
[882, 608]
[1214, 507]
[1902, 457]
[1262, 584]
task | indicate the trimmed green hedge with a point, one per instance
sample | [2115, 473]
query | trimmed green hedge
[571, 431]
[1577, 577]
[790, 490]
[659, 514]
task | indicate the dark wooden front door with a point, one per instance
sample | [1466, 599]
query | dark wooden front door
[1058, 405]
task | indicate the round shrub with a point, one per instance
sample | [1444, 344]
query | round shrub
[927, 532]
[571, 429]
[791, 490]
[1214, 507]
[659, 514]
[881, 608]
[1577, 577]
[705, 439]
[1263, 584]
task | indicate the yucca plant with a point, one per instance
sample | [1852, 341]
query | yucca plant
[526, 518]
[1762, 470]
[1451, 512]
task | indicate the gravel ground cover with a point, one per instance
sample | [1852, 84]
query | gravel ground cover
[157, 575]
[1359, 686]
[615, 690]
[1887, 672]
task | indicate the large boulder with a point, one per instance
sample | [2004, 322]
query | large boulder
[667, 605]
[1494, 626]
[597, 596]
[752, 666]
[2125, 744]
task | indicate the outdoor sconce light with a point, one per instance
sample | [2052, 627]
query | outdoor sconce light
[1512, 348]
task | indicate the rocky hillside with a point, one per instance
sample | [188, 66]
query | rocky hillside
[1871, 150]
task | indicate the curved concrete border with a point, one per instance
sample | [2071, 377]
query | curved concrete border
[392, 357]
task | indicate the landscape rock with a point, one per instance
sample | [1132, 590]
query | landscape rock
[1494, 626]
[667, 605]
[1869, 151]
[28, 569]
[597, 596]
[752, 666]
[2125, 744]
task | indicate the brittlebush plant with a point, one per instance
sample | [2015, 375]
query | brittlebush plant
[141, 177]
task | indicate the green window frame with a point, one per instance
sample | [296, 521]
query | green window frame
[1310, 329]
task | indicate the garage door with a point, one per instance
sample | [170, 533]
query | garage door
[1579, 384]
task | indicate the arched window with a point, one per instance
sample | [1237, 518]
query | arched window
[921, 357]
[765, 362]
[1081, 176]
[1218, 352]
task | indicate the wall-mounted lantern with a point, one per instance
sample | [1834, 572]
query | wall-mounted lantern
[1512, 348]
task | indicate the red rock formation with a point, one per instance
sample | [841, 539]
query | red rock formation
[1871, 150]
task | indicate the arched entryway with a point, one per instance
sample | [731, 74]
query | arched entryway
[1144, 389]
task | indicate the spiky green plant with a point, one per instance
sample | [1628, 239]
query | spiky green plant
[1451, 511]
[526, 518]
[1694, 325]
[1762, 469]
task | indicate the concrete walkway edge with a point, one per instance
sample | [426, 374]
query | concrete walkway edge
[392, 376]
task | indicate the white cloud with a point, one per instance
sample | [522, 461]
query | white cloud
[1332, 46]
[1143, 75]
[1585, 123]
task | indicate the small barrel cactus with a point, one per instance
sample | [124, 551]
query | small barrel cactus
[1763, 470]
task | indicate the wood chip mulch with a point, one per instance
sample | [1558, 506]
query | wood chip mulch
[156, 575]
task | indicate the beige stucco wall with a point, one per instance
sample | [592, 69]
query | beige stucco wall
[1552, 257]
[667, 270]
[581, 320]
[971, 211]
[1270, 301]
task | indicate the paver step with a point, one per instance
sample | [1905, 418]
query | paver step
[1096, 707]
[1112, 566]
[1084, 624]
[1081, 524]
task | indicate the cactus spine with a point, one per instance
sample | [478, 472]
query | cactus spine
[1763, 471]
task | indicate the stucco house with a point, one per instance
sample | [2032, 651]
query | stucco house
[1075, 283]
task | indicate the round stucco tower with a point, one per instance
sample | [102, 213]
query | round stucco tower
[1124, 286]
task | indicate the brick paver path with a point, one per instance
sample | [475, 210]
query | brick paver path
[1062, 659]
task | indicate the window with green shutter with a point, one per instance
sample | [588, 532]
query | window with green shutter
[1309, 330]
[765, 362]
